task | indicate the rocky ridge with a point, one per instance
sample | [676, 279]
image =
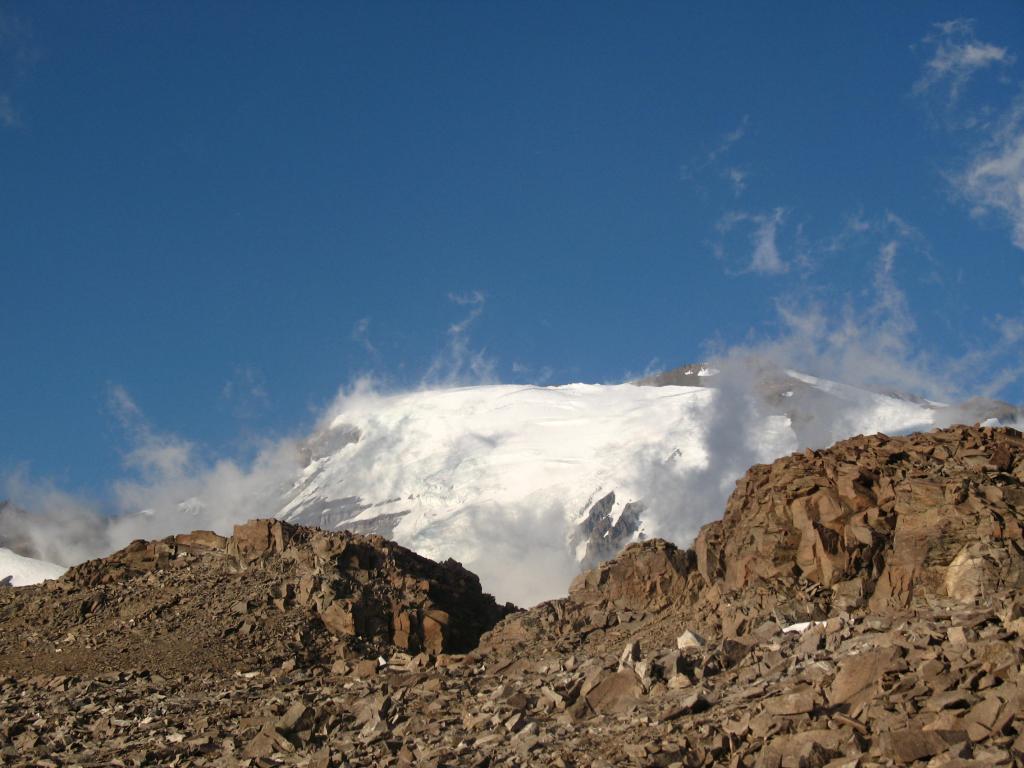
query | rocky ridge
[271, 591]
[856, 606]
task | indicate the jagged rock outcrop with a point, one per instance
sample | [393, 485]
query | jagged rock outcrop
[885, 519]
[599, 537]
[653, 574]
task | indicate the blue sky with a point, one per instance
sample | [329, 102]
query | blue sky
[217, 214]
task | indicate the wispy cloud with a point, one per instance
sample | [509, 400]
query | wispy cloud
[527, 372]
[735, 176]
[957, 55]
[738, 179]
[868, 336]
[245, 392]
[728, 140]
[764, 258]
[17, 56]
[865, 336]
[469, 298]
[990, 178]
[8, 117]
[458, 363]
[150, 454]
[475, 300]
[361, 335]
[993, 180]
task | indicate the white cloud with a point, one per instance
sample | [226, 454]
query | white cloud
[122, 406]
[1011, 329]
[164, 476]
[868, 336]
[993, 180]
[534, 376]
[957, 55]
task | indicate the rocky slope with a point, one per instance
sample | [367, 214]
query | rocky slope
[856, 606]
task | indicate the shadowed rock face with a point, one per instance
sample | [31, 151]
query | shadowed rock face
[879, 518]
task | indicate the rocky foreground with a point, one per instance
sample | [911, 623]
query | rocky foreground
[856, 606]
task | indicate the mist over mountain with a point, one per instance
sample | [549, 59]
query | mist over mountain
[525, 485]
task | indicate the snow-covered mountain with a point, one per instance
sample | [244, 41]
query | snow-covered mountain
[581, 466]
[522, 484]
[18, 571]
[412, 465]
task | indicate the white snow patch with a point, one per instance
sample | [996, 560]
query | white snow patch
[26, 570]
[803, 626]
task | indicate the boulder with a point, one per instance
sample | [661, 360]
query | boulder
[653, 574]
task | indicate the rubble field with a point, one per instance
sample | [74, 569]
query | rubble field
[855, 606]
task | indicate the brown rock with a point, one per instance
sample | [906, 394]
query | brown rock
[256, 538]
[299, 717]
[984, 568]
[909, 744]
[858, 674]
[339, 619]
[201, 540]
[617, 692]
[435, 627]
[793, 703]
[652, 573]
[365, 668]
[856, 511]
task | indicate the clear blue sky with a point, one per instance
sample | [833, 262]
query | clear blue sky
[229, 210]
